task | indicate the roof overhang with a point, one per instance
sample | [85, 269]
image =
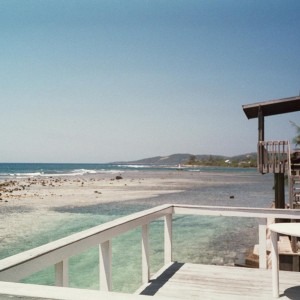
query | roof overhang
[272, 107]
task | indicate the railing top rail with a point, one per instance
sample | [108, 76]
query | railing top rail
[274, 141]
[33, 291]
[250, 212]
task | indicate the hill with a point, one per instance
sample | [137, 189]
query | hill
[184, 158]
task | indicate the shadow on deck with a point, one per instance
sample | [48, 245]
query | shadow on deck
[190, 281]
[156, 284]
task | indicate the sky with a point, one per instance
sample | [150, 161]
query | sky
[114, 80]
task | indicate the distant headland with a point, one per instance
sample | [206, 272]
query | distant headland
[243, 160]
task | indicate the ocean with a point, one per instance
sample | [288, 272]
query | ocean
[196, 239]
[21, 170]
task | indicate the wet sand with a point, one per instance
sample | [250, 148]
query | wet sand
[49, 192]
[28, 204]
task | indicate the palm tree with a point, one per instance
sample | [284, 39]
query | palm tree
[296, 139]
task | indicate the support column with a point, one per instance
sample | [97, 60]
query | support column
[261, 138]
[279, 190]
[261, 125]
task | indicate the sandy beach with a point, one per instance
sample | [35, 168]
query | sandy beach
[27, 204]
[47, 192]
[31, 205]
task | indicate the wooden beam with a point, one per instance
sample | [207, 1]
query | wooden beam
[273, 107]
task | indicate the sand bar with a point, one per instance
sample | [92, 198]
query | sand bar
[27, 204]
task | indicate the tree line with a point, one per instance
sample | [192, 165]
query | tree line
[214, 161]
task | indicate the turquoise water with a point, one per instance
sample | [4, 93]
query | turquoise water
[208, 240]
[196, 239]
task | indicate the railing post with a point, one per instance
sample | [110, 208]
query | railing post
[145, 254]
[262, 235]
[168, 239]
[275, 264]
[62, 273]
[105, 266]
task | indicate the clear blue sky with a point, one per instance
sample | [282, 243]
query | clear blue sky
[100, 81]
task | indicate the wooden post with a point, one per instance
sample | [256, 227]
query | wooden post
[145, 254]
[168, 239]
[105, 266]
[279, 190]
[291, 199]
[62, 273]
[295, 266]
[263, 246]
[261, 125]
[261, 138]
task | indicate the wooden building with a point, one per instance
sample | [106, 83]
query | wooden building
[277, 156]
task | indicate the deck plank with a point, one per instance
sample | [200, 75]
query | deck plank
[190, 281]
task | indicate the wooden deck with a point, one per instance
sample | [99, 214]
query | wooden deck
[178, 281]
[190, 281]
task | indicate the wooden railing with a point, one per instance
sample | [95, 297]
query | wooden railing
[14, 268]
[56, 253]
[273, 156]
[294, 179]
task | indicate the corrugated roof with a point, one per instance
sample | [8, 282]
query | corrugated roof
[273, 107]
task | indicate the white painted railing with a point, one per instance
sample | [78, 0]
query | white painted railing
[17, 267]
[56, 253]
